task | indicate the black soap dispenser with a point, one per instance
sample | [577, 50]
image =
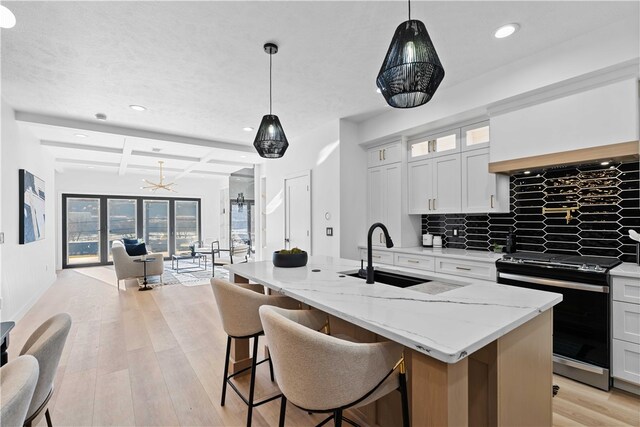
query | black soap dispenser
[510, 247]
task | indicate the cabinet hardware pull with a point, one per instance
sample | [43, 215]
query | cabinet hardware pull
[434, 204]
[380, 155]
[384, 154]
[492, 201]
[463, 268]
[376, 256]
[413, 261]
[429, 204]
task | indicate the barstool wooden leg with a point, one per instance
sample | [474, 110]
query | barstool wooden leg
[252, 384]
[405, 400]
[283, 410]
[226, 371]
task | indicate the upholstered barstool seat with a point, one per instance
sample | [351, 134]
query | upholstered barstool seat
[238, 306]
[322, 373]
[46, 344]
[18, 380]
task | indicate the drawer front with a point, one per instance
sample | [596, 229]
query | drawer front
[479, 270]
[416, 261]
[377, 257]
[626, 361]
[626, 321]
[626, 289]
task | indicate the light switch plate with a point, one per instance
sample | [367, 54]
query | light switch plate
[329, 231]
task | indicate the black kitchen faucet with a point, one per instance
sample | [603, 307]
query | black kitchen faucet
[369, 272]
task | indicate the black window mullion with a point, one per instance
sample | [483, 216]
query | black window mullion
[104, 232]
[172, 227]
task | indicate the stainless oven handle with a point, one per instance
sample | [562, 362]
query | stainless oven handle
[578, 365]
[555, 283]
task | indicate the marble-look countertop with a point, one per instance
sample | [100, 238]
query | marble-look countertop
[626, 269]
[484, 256]
[448, 326]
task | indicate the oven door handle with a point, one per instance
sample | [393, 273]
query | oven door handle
[555, 283]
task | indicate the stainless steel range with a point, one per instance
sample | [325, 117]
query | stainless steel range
[581, 322]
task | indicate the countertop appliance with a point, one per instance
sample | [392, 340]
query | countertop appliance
[437, 241]
[581, 322]
[427, 240]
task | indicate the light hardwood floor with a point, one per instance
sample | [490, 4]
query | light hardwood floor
[155, 358]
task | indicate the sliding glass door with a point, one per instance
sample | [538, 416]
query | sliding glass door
[91, 223]
[82, 243]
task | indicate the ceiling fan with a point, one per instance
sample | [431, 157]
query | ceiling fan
[160, 185]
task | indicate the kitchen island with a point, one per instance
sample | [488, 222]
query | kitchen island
[479, 354]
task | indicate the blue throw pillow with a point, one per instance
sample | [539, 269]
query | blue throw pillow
[129, 241]
[136, 250]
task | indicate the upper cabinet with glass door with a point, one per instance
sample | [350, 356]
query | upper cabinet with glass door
[475, 136]
[434, 145]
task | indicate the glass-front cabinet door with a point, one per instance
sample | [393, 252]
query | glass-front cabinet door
[475, 136]
[156, 226]
[82, 231]
[434, 145]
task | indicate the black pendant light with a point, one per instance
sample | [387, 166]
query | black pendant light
[411, 72]
[270, 141]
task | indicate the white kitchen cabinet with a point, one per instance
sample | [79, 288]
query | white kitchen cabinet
[446, 184]
[482, 192]
[385, 154]
[434, 145]
[625, 341]
[434, 185]
[475, 136]
[377, 257]
[385, 203]
[460, 267]
[420, 262]
[420, 187]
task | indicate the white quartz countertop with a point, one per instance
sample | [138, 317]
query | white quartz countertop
[448, 326]
[485, 256]
[626, 269]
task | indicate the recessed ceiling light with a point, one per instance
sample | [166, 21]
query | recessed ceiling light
[80, 135]
[527, 172]
[137, 107]
[7, 18]
[89, 167]
[243, 157]
[101, 116]
[506, 30]
[247, 129]
[604, 163]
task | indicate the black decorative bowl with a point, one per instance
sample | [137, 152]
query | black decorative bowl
[289, 260]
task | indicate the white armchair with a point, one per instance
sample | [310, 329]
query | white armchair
[127, 269]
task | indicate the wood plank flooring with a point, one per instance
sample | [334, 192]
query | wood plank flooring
[155, 358]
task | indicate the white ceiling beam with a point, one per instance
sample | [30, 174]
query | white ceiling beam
[124, 160]
[133, 166]
[43, 119]
[69, 145]
[192, 166]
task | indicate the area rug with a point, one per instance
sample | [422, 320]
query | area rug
[187, 276]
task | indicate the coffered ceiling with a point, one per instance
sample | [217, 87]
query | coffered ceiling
[200, 70]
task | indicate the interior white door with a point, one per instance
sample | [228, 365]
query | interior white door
[446, 184]
[297, 217]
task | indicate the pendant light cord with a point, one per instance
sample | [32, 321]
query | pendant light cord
[409, 2]
[270, 90]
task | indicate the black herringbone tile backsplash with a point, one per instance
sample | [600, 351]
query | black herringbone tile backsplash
[609, 198]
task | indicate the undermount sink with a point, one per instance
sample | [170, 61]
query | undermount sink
[393, 279]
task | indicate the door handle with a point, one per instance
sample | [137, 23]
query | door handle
[434, 204]
[429, 204]
[492, 201]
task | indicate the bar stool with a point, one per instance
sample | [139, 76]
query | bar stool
[238, 306]
[18, 380]
[325, 374]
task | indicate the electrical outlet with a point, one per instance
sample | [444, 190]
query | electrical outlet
[329, 231]
[455, 232]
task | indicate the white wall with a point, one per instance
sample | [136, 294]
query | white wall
[86, 181]
[605, 47]
[319, 152]
[353, 191]
[29, 269]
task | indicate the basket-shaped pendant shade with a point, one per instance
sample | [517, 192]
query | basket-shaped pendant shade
[411, 71]
[270, 141]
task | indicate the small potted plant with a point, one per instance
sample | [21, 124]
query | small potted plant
[289, 258]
